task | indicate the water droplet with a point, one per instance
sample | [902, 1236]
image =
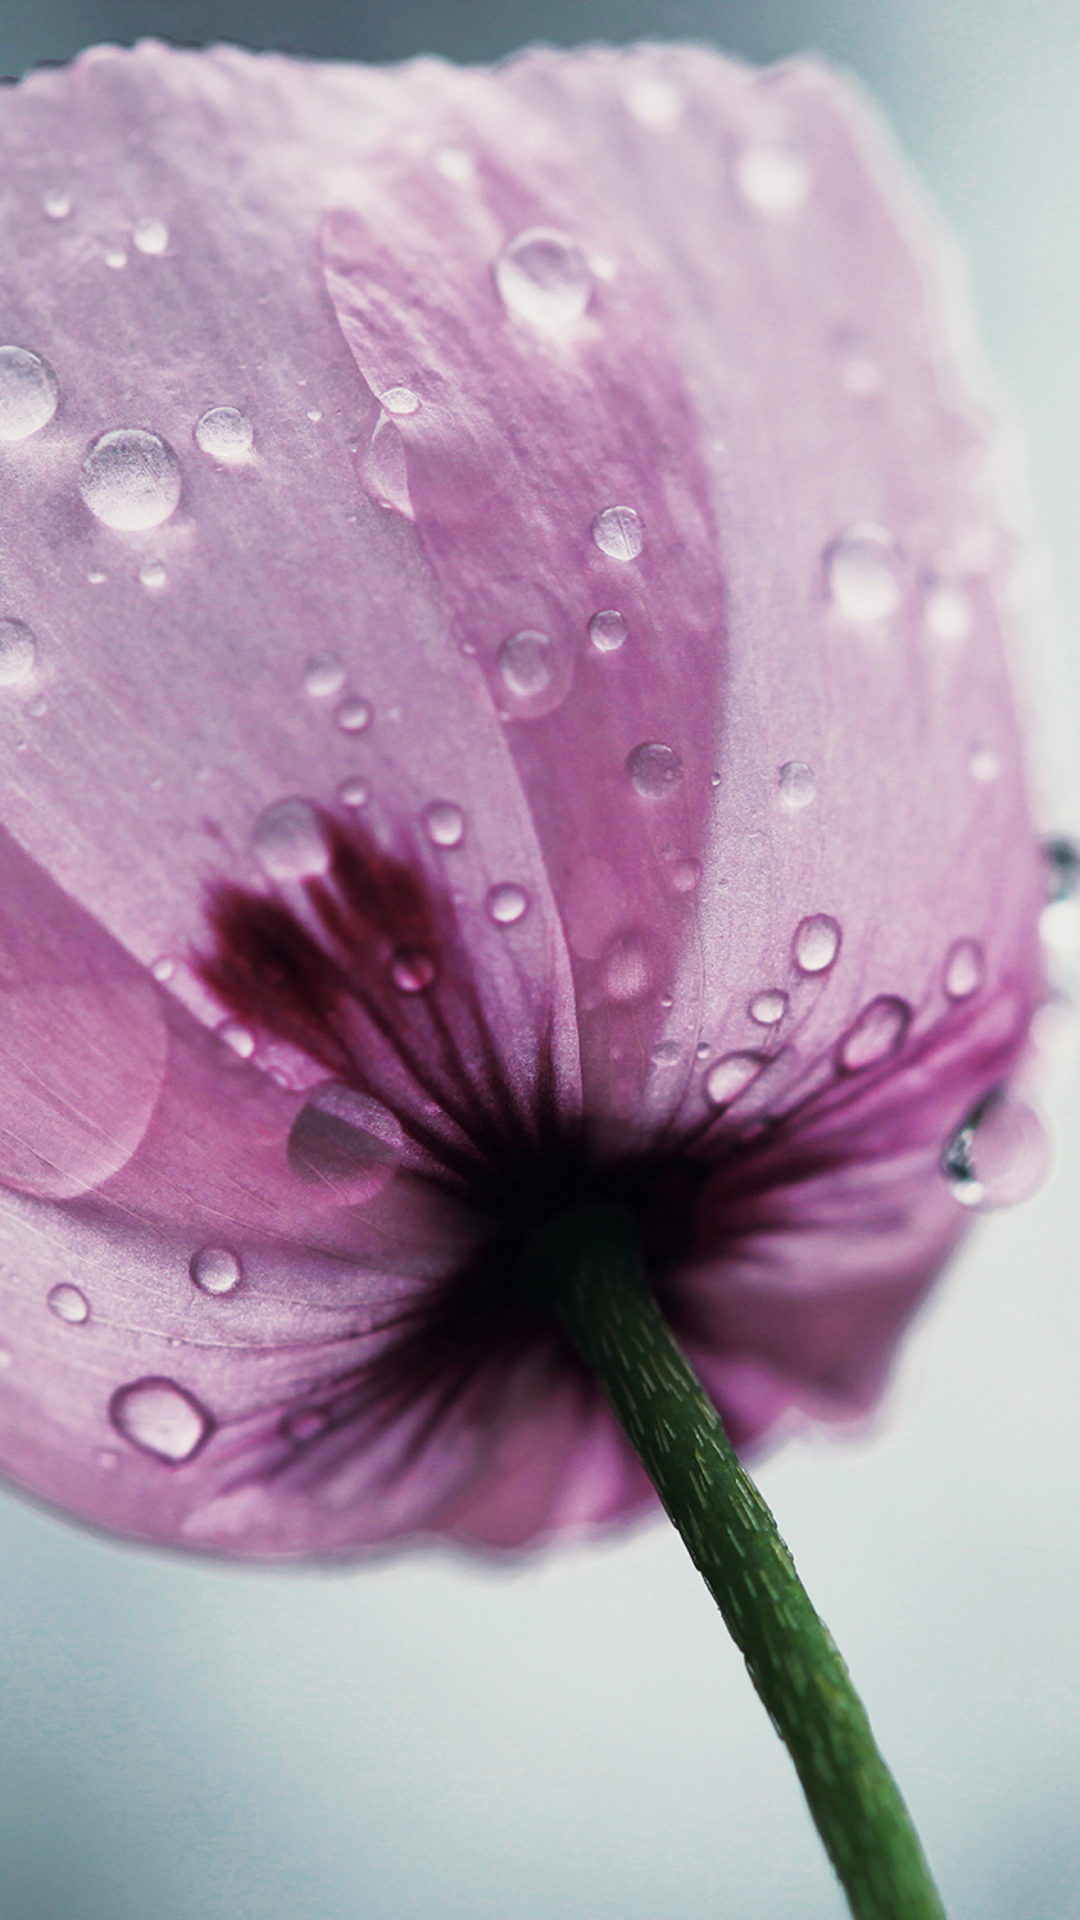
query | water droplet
[667, 1001]
[685, 876]
[816, 943]
[29, 393]
[507, 903]
[324, 675]
[985, 764]
[666, 1052]
[216, 1270]
[412, 970]
[999, 1155]
[96, 578]
[544, 278]
[455, 164]
[150, 234]
[527, 664]
[57, 203]
[163, 967]
[732, 1075]
[965, 969]
[702, 1050]
[153, 575]
[948, 611]
[288, 840]
[655, 102]
[715, 779]
[69, 1303]
[354, 792]
[344, 1140]
[384, 469]
[862, 569]
[18, 653]
[130, 479]
[160, 1418]
[237, 1038]
[225, 434]
[354, 714]
[314, 414]
[774, 178]
[445, 823]
[619, 533]
[607, 630]
[798, 785]
[768, 1008]
[878, 1032]
[654, 769]
[116, 258]
[400, 401]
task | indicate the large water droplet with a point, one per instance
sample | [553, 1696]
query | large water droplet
[354, 715]
[384, 469]
[346, 1141]
[774, 178]
[160, 1418]
[732, 1075]
[768, 1008]
[216, 1270]
[878, 1032]
[654, 769]
[948, 611]
[999, 1155]
[607, 630]
[69, 1303]
[544, 279]
[862, 569]
[288, 840]
[225, 434]
[965, 969]
[507, 904]
[412, 970]
[798, 785]
[130, 479]
[527, 664]
[816, 943]
[445, 823]
[150, 234]
[400, 401]
[29, 392]
[324, 675]
[619, 533]
[18, 653]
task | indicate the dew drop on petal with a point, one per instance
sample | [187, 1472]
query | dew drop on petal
[607, 630]
[999, 1155]
[324, 675]
[798, 785]
[130, 479]
[544, 279]
[354, 792]
[685, 876]
[702, 1050]
[965, 969]
[354, 714]
[527, 663]
[878, 1032]
[948, 612]
[654, 769]
[70, 1304]
[769, 1008]
[732, 1075]
[116, 258]
[862, 571]
[57, 203]
[216, 1270]
[160, 1418]
[444, 823]
[985, 764]
[153, 575]
[163, 968]
[816, 943]
[29, 393]
[237, 1038]
[400, 401]
[412, 970]
[655, 102]
[507, 904]
[774, 178]
[150, 234]
[225, 434]
[619, 533]
[288, 840]
[18, 653]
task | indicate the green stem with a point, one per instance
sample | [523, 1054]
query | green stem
[585, 1269]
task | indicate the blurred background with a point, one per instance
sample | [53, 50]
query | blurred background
[430, 1737]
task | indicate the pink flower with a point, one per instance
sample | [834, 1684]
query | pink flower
[504, 699]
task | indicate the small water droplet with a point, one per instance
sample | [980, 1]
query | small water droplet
[445, 823]
[130, 479]
[57, 203]
[732, 1075]
[344, 1140]
[862, 570]
[769, 1008]
[527, 664]
[985, 764]
[619, 533]
[654, 769]
[999, 1155]
[666, 1052]
[400, 401]
[354, 792]
[715, 779]
[412, 970]
[354, 714]
[225, 434]
[314, 414]
[324, 675]
[153, 575]
[288, 840]
[455, 164]
[655, 102]
[667, 1001]
[798, 785]
[816, 943]
[160, 1418]
[163, 967]
[702, 1050]
[544, 279]
[685, 876]
[70, 1304]
[150, 234]
[965, 969]
[237, 1038]
[18, 653]
[507, 904]
[948, 611]
[773, 177]
[116, 258]
[216, 1270]
[29, 393]
[607, 630]
[96, 578]
[879, 1032]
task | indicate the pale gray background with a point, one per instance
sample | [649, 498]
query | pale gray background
[432, 1739]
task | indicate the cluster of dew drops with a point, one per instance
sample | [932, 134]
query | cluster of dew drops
[130, 480]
